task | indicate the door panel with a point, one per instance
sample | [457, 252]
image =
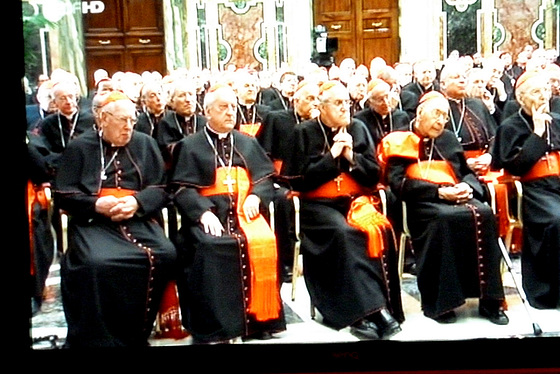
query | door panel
[127, 36]
[365, 28]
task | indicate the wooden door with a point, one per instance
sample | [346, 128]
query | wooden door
[126, 36]
[365, 28]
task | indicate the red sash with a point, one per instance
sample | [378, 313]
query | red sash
[362, 214]
[547, 166]
[406, 144]
[264, 300]
[118, 192]
[343, 185]
[250, 128]
[439, 172]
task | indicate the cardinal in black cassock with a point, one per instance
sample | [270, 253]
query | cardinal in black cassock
[535, 159]
[454, 236]
[115, 269]
[349, 285]
[229, 285]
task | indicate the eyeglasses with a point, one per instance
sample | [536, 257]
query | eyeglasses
[124, 119]
[338, 103]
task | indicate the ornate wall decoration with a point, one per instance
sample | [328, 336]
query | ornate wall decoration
[249, 33]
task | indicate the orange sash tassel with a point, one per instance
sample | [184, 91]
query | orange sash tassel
[364, 216]
[264, 300]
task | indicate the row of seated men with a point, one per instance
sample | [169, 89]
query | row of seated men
[114, 174]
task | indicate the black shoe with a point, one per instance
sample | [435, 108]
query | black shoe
[493, 311]
[287, 274]
[446, 318]
[364, 329]
[386, 324]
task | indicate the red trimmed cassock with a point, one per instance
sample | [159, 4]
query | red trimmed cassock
[113, 274]
[536, 160]
[229, 285]
[456, 247]
[348, 247]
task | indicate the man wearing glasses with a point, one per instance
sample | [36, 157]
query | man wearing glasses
[118, 261]
[348, 264]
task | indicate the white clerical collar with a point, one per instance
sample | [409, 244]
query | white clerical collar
[221, 135]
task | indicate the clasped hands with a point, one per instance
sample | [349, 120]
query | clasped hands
[214, 227]
[459, 193]
[118, 209]
[343, 145]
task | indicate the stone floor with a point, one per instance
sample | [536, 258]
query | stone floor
[302, 328]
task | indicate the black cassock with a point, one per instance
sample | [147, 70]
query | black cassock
[276, 137]
[517, 150]
[113, 273]
[456, 246]
[379, 126]
[472, 124]
[57, 131]
[174, 127]
[214, 282]
[344, 283]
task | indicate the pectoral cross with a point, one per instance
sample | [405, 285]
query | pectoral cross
[338, 180]
[229, 181]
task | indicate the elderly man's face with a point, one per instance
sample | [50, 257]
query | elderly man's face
[335, 107]
[184, 100]
[289, 84]
[555, 83]
[432, 117]
[117, 122]
[357, 87]
[247, 90]
[536, 93]
[455, 85]
[380, 99]
[105, 87]
[425, 74]
[154, 99]
[222, 113]
[307, 100]
[65, 100]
